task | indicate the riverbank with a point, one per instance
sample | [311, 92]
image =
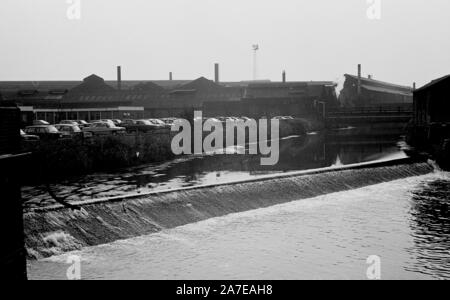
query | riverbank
[53, 230]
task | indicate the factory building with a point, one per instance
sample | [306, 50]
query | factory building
[94, 98]
[432, 111]
[366, 92]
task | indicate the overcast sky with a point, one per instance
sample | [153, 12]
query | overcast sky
[310, 39]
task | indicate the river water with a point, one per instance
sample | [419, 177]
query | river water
[406, 223]
[296, 153]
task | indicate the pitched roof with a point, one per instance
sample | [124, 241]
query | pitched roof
[384, 83]
[384, 90]
[382, 86]
[92, 86]
[148, 88]
[433, 82]
[201, 84]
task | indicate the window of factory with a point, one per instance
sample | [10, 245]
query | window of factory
[83, 115]
[95, 115]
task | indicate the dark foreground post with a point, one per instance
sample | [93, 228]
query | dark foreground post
[13, 258]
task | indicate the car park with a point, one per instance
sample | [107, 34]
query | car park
[104, 128]
[283, 118]
[117, 122]
[47, 132]
[40, 122]
[72, 131]
[69, 122]
[108, 121]
[28, 137]
[82, 123]
[168, 121]
[140, 125]
[157, 122]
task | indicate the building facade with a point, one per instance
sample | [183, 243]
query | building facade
[366, 92]
[94, 98]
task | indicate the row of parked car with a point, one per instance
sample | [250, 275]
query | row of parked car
[243, 118]
[82, 129]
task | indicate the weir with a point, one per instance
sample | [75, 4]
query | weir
[53, 230]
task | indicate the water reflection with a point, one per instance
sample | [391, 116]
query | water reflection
[296, 153]
[430, 224]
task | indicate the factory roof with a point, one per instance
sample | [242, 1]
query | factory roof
[433, 82]
[382, 86]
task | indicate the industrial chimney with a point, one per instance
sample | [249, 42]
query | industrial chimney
[216, 73]
[170, 76]
[359, 80]
[414, 86]
[284, 76]
[119, 78]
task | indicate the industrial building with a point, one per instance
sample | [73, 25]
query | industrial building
[366, 92]
[94, 98]
[432, 111]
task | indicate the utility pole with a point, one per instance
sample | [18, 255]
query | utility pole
[255, 70]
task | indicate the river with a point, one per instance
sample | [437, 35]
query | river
[316, 150]
[406, 223]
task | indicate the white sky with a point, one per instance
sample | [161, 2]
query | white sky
[310, 39]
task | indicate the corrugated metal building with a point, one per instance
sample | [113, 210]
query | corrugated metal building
[367, 92]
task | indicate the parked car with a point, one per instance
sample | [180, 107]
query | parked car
[117, 122]
[40, 122]
[128, 122]
[158, 122]
[69, 122]
[108, 121]
[28, 137]
[82, 123]
[48, 132]
[72, 131]
[104, 128]
[168, 121]
[140, 125]
[283, 118]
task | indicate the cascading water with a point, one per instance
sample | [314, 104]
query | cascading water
[53, 230]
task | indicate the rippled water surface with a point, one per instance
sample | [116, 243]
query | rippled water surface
[296, 153]
[405, 222]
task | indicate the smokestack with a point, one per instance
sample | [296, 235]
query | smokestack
[359, 80]
[170, 76]
[119, 78]
[414, 86]
[369, 76]
[216, 73]
[284, 76]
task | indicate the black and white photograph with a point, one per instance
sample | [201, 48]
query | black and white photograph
[224, 146]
